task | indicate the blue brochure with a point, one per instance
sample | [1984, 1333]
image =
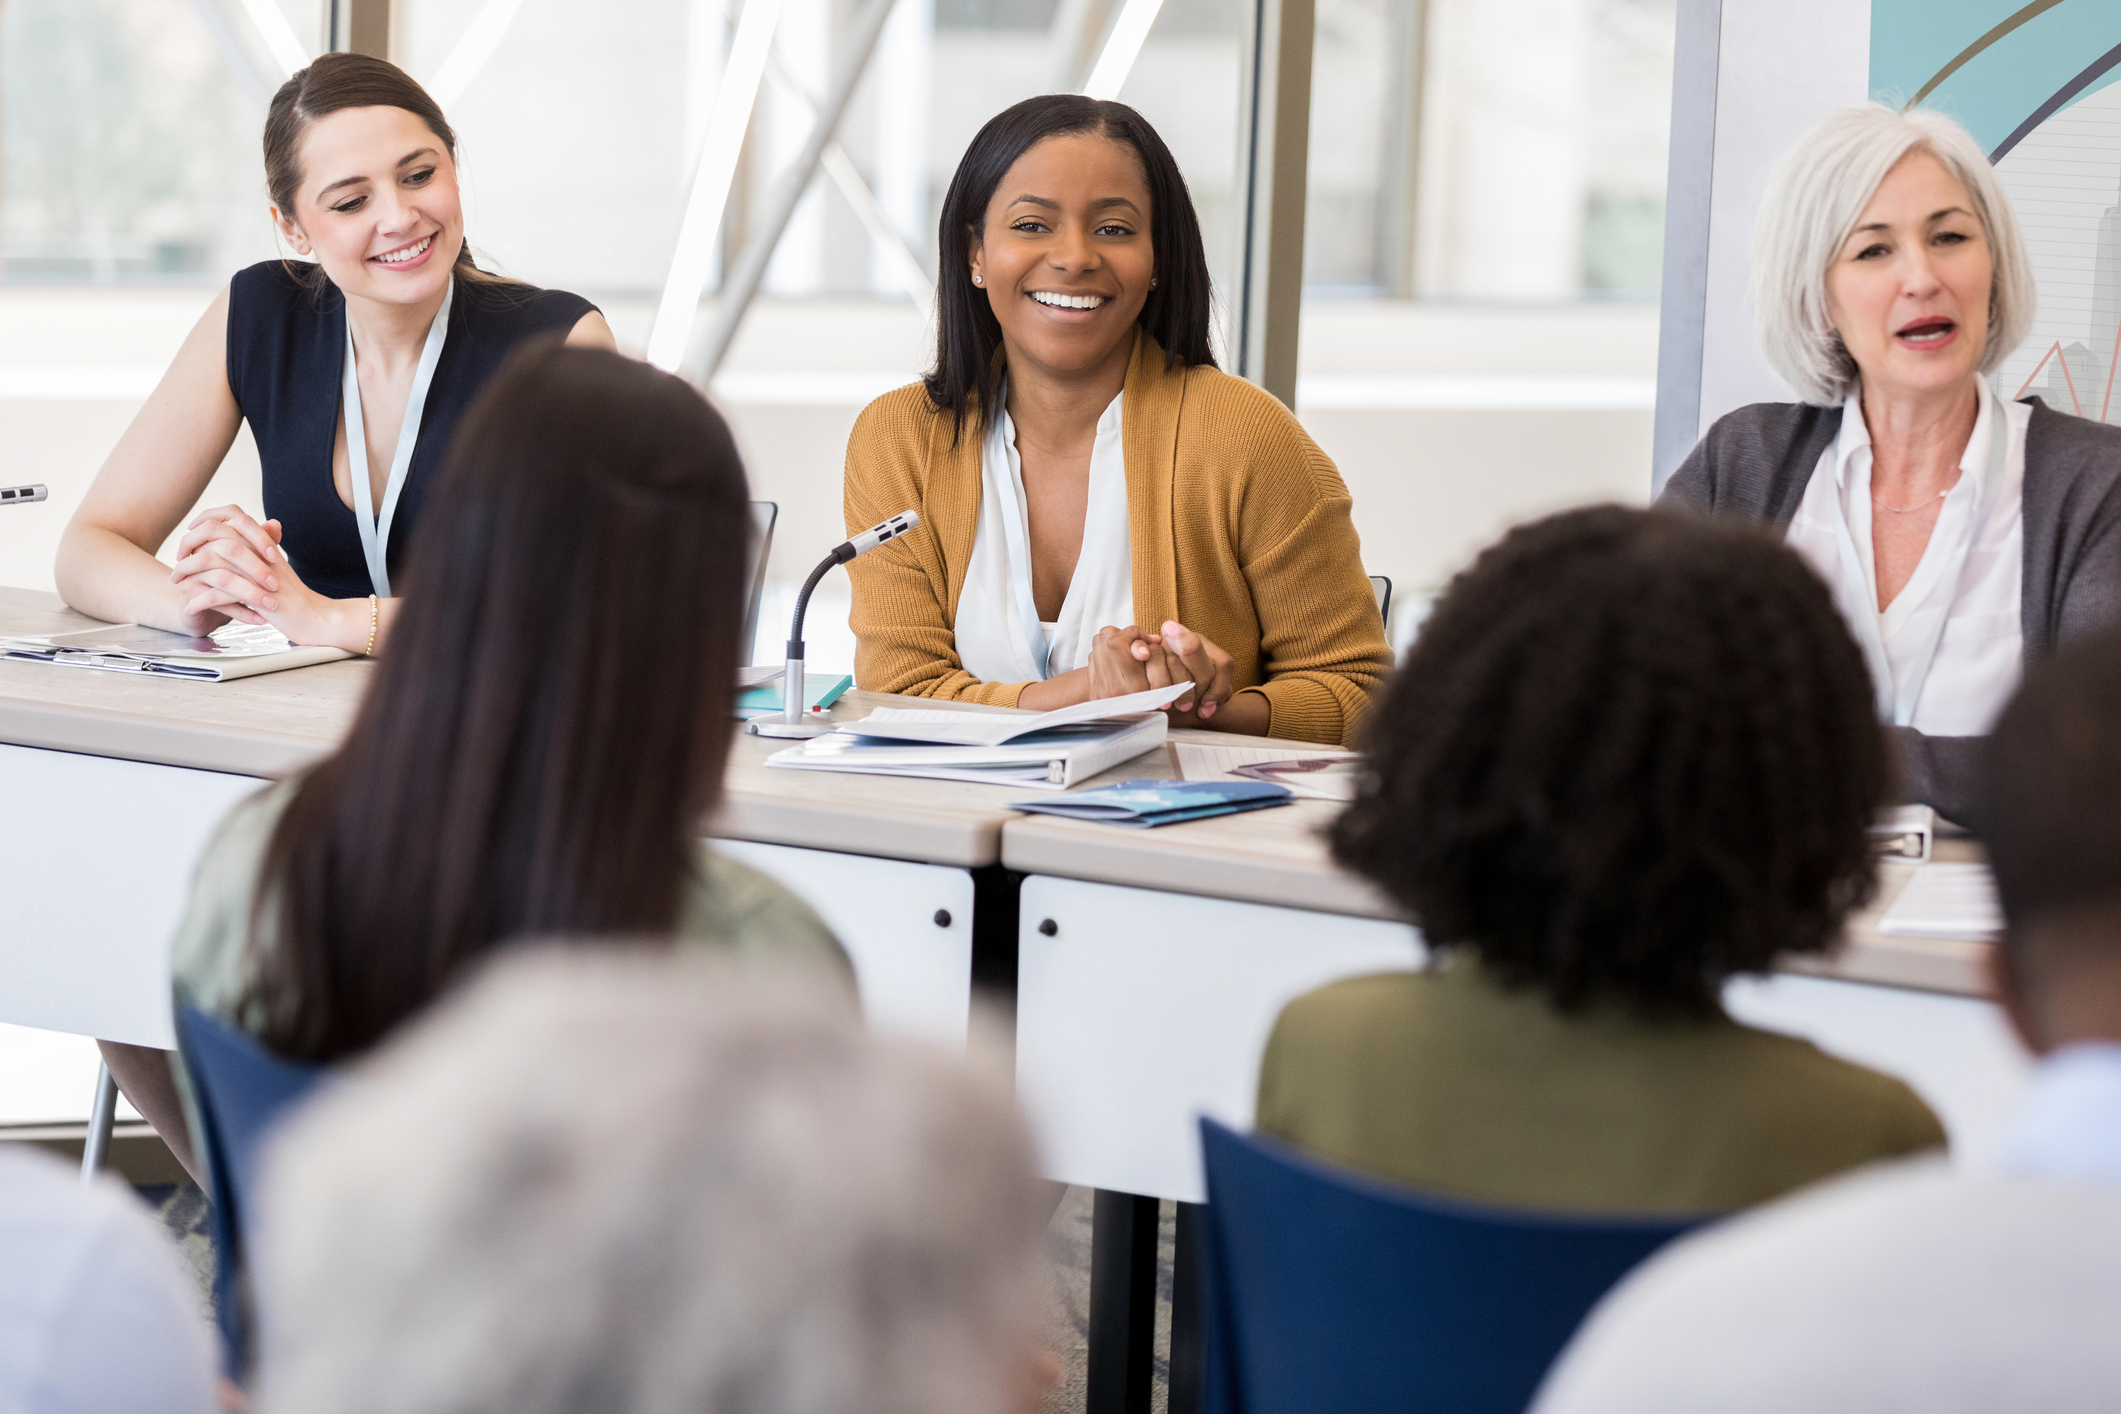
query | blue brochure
[1146, 803]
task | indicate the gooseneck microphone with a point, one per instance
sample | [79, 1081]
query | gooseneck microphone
[792, 723]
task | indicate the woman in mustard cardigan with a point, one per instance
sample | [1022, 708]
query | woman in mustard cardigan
[1126, 516]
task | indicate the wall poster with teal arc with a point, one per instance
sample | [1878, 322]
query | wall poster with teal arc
[2039, 86]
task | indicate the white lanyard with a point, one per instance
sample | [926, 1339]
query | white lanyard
[1014, 527]
[1898, 705]
[375, 530]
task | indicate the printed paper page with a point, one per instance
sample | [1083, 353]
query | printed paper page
[1946, 901]
[1199, 762]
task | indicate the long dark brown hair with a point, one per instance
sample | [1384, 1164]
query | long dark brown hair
[549, 720]
[330, 83]
[1176, 315]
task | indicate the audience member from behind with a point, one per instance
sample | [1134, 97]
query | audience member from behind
[1631, 756]
[539, 746]
[1919, 1286]
[96, 1314]
[626, 1183]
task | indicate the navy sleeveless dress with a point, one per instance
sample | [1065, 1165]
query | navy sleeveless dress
[286, 367]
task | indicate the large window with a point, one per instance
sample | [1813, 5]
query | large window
[1498, 150]
[129, 141]
[1484, 210]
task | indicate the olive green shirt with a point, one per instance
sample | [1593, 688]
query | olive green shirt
[726, 905]
[1447, 1081]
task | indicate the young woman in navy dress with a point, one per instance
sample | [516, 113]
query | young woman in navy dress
[388, 335]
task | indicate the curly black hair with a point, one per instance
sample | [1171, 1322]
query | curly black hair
[1631, 754]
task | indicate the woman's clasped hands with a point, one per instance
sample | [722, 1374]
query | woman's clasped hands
[1131, 659]
[230, 567]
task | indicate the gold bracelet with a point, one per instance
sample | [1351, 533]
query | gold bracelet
[375, 620]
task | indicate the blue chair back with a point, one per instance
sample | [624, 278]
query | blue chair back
[1326, 1290]
[239, 1090]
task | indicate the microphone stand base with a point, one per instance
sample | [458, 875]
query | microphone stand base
[775, 727]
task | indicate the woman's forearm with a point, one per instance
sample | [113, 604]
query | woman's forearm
[1245, 713]
[357, 625]
[106, 576]
[1061, 690]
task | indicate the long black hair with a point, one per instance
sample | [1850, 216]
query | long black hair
[966, 372]
[549, 720]
[1630, 755]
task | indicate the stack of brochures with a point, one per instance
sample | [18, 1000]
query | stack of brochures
[1144, 804]
[1050, 749]
[231, 651]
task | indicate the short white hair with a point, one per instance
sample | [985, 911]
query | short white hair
[1813, 202]
[635, 1183]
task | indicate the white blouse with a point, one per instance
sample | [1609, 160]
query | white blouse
[999, 635]
[1959, 612]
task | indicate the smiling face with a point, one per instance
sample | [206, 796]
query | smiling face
[1065, 255]
[377, 204]
[1909, 291]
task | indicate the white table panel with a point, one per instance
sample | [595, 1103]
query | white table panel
[915, 975]
[1146, 1010]
[49, 1077]
[1956, 1052]
[96, 859]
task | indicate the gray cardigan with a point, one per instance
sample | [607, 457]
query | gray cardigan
[1754, 465]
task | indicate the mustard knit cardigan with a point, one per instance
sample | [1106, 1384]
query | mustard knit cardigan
[1239, 525]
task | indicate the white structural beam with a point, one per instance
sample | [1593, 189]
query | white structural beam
[743, 282]
[906, 268]
[1123, 45]
[473, 48]
[278, 36]
[1274, 136]
[734, 99]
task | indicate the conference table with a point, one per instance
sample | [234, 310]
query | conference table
[1145, 967]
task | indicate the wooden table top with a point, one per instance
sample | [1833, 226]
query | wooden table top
[1280, 857]
[267, 725]
[275, 723]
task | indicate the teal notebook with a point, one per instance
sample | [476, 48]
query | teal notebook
[819, 690]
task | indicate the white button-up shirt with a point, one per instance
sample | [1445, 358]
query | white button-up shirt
[992, 637]
[2068, 1126]
[1981, 650]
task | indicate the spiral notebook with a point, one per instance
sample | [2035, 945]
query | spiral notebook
[231, 651]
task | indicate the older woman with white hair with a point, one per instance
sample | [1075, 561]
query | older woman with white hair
[608, 1183]
[1961, 533]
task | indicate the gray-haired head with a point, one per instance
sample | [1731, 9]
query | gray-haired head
[1813, 201]
[637, 1184]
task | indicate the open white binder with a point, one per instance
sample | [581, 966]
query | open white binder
[1053, 750]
